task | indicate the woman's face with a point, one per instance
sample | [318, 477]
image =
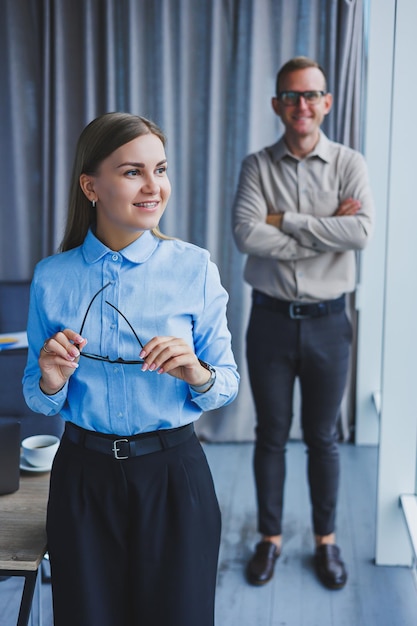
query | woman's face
[131, 190]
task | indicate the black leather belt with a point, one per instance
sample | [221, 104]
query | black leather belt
[126, 447]
[298, 310]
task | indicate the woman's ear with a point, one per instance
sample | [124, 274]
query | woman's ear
[87, 186]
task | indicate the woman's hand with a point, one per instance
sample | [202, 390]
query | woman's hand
[58, 359]
[174, 356]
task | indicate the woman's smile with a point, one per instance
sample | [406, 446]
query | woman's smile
[148, 206]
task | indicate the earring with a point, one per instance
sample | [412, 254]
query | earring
[93, 204]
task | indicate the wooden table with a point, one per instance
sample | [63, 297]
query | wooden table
[23, 535]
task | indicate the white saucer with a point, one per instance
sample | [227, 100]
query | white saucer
[27, 467]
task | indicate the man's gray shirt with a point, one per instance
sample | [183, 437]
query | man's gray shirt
[312, 256]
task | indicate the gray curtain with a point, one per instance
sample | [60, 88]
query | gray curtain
[204, 70]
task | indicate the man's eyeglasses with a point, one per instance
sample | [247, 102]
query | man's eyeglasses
[98, 357]
[291, 98]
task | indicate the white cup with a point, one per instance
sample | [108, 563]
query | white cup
[39, 450]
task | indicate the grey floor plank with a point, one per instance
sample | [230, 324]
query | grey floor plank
[374, 596]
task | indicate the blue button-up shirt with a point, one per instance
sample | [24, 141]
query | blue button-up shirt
[163, 288]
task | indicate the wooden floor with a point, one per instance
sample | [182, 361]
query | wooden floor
[373, 596]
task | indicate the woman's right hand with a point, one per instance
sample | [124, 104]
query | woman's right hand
[58, 359]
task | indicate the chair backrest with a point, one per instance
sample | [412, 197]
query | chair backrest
[14, 305]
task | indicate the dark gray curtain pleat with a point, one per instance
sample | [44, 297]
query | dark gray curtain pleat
[228, 420]
[20, 147]
[198, 119]
[236, 141]
[204, 70]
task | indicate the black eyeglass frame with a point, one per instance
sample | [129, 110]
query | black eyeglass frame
[98, 357]
[315, 94]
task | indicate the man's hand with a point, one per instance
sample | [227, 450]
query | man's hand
[348, 207]
[275, 219]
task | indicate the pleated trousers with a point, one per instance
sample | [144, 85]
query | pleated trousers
[133, 542]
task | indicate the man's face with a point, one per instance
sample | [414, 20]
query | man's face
[303, 119]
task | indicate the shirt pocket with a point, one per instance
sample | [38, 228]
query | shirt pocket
[324, 203]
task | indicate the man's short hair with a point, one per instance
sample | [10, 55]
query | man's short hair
[298, 63]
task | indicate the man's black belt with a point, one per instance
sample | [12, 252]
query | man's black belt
[120, 447]
[298, 310]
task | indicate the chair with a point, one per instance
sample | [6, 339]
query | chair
[14, 305]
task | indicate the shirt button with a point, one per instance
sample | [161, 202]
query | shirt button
[115, 257]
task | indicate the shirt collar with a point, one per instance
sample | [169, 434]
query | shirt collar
[137, 252]
[322, 150]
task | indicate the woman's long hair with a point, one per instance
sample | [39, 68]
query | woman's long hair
[97, 141]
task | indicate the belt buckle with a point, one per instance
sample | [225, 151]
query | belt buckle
[116, 450]
[293, 313]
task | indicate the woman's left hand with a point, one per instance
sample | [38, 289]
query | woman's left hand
[172, 355]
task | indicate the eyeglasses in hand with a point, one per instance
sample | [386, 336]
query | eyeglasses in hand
[291, 98]
[98, 357]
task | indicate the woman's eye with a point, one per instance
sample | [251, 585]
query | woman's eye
[161, 170]
[132, 173]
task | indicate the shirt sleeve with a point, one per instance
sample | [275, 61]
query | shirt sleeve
[38, 332]
[212, 344]
[251, 232]
[338, 233]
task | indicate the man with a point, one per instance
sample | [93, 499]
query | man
[303, 207]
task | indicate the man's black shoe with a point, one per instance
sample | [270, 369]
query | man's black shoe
[260, 568]
[329, 566]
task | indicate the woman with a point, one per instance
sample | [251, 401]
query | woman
[128, 341]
